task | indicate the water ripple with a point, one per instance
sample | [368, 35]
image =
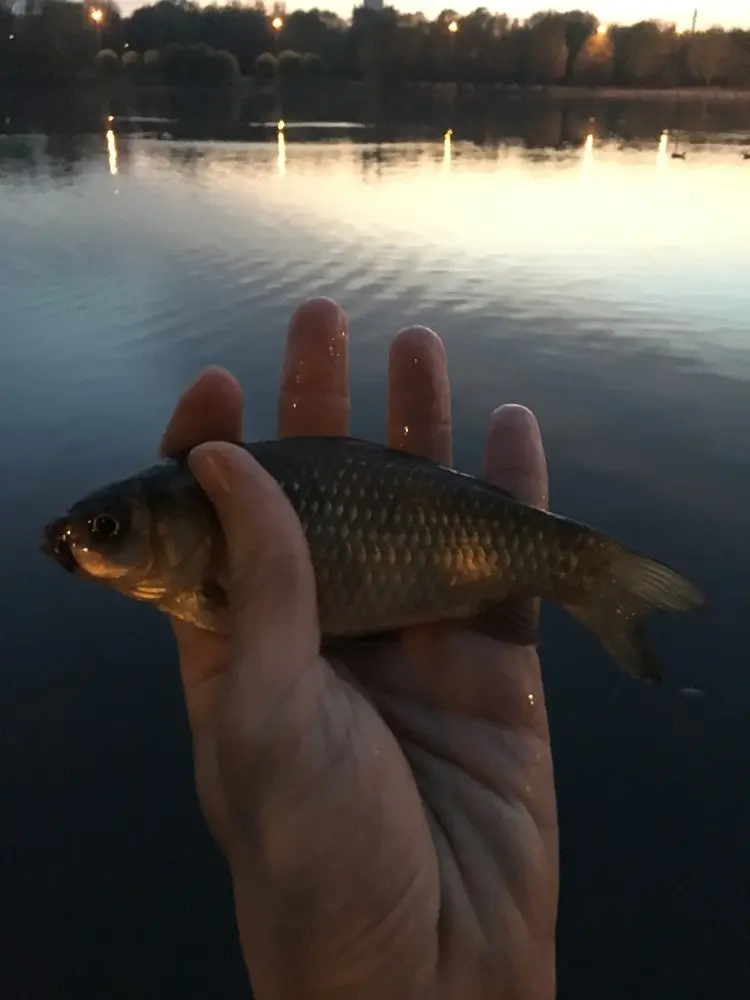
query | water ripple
[611, 296]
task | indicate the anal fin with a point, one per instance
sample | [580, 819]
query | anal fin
[515, 621]
[332, 644]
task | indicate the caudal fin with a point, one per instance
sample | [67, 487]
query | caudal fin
[634, 588]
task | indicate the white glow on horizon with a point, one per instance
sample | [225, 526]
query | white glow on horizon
[729, 13]
[594, 192]
[679, 12]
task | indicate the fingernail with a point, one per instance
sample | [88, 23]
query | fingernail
[211, 466]
[418, 364]
[515, 455]
[204, 376]
[516, 417]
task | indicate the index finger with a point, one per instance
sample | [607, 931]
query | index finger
[210, 409]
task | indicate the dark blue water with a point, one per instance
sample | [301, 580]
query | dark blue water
[607, 288]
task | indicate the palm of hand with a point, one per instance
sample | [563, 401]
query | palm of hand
[483, 770]
[418, 834]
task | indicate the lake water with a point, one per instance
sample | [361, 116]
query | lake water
[605, 285]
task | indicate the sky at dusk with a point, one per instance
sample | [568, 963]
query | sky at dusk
[726, 12]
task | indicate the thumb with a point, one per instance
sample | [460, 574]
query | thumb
[275, 687]
[271, 587]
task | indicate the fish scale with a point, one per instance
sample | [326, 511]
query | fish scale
[402, 541]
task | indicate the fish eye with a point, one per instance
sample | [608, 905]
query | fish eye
[104, 526]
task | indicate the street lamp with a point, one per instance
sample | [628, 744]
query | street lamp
[277, 24]
[452, 31]
[96, 15]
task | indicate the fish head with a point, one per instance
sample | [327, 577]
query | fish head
[155, 537]
[105, 535]
[152, 535]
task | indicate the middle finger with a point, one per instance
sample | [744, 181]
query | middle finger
[314, 397]
[419, 398]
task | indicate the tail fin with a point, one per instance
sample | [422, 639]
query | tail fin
[634, 588]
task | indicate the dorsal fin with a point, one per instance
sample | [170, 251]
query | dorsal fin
[374, 448]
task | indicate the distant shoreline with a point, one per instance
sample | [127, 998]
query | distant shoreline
[554, 91]
[712, 94]
[577, 92]
[248, 86]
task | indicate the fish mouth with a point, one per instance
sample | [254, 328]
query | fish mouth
[57, 546]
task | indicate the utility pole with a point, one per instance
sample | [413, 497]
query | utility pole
[695, 21]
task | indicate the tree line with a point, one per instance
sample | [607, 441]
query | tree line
[181, 43]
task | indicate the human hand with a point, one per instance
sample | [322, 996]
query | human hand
[389, 818]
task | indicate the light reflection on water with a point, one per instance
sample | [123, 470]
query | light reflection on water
[281, 151]
[112, 152]
[500, 218]
[606, 287]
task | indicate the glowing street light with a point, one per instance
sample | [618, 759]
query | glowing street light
[602, 29]
[453, 27]
[96, 16]
[277, 24]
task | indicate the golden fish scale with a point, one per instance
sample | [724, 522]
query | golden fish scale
[395, 542]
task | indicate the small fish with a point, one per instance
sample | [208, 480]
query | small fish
[395, 540]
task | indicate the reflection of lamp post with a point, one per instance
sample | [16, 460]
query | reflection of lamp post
[280, 149]
[447, 151]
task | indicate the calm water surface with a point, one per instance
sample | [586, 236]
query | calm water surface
[606, 287]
